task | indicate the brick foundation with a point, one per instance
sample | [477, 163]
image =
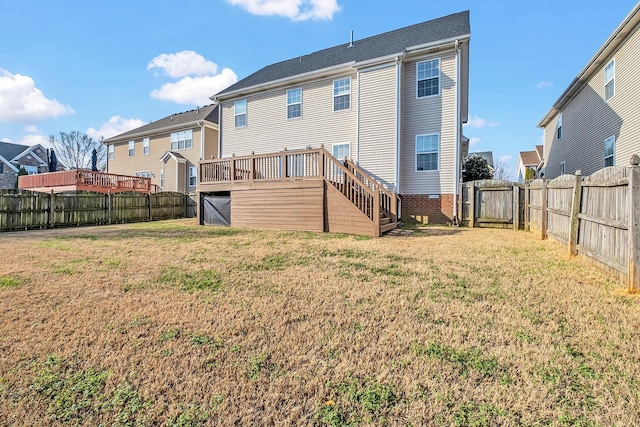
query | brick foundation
[422, 208]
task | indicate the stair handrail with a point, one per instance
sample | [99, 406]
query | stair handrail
[371, 182]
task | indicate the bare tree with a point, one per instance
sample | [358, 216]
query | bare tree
[74, 149]
[501, 171]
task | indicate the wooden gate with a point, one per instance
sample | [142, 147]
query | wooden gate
[491, 204]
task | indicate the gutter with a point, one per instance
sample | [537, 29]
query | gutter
[155, 132]
[281, 82]
[606, 50]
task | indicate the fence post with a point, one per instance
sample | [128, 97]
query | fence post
[52, 209]
[526, 206]
[633, 232]
[516, 207]
[543, 210]
[471, 192]
[149, 204]
[109, 206]
[575, 211]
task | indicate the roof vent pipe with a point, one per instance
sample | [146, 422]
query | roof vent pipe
[351, 42]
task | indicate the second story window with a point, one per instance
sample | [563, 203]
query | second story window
[132, 148]
[559, 126]
[428, 78]
[145, 146]
[609, 80]
[342, 94]
[240, 113]
[294, 103]
[112, 152]
[181, 140]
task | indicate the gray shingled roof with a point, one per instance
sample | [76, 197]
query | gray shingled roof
[378, 46]
[9, 150]
[208, 113]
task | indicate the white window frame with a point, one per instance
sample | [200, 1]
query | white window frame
[418, 79]
[193, 174]
[291, 104]
[112, 151]
[559, 127]
[610, 79]
[145, 146]
[417, 153]
[236, 114]
[341, 91]
[611, 139]
[132, 148]
[563, 167]
[181, 140]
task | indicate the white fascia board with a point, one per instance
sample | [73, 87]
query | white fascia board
[5, 161]
[311, 75]
[154, 132]
[614, 41]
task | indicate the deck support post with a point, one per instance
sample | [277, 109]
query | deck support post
[394, 206]
[284, 164]
[233, 167]
[252, 166]
[376, 213]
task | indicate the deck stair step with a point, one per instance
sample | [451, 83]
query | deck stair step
[388, 227]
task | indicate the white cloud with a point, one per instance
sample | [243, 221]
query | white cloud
[473, 141]
[195, 90]
[182, 64]
[505, 159]
[35, 139]
[21, 100]
[477, 122]
[297, 10]
[32, 129]
[544, 84]
[114, 126]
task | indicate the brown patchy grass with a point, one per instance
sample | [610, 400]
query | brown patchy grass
[174, 324]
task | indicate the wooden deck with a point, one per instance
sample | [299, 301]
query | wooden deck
[300, 190]
[80, 179]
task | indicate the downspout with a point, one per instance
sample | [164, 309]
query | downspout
[201, 140]
[398, 117]
[457, 145]
[358, 119]
[219, 128]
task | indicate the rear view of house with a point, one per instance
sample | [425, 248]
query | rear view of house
[392, 104]
[596, 121]
[167, 150]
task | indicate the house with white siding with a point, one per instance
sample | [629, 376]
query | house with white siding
[596, 121]
[392, 105]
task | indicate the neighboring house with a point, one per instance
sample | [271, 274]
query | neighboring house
[488, 157]
[394, 103]
[167, 150]
[34, 159]
[529, 160]
[596, 121]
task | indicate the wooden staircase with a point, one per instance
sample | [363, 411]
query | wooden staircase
[359, 204]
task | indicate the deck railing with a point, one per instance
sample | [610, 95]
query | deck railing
[360, 188]
[82, 178]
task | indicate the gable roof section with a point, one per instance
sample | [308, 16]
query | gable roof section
[173, 155]
[8, 163]
[30, 150]
[207, 113]
[615, 40]
[393, 42]
[530, 158]
[9, 151]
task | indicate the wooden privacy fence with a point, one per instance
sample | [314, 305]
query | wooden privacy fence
[30, 210]
[597, 217]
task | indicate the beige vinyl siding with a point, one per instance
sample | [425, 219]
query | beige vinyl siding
[210, 144]
[158, 146]
[587, 120]
[268, 129]
[429, 115]
[170, 172]
[377, 123]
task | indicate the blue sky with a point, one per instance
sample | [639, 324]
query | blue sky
[106, 67]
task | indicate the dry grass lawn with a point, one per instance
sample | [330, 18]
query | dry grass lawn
[173, 324]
